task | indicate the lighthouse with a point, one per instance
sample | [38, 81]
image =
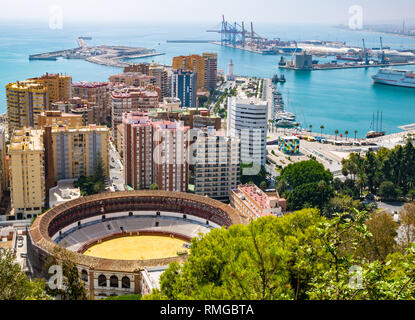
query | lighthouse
[230, 76]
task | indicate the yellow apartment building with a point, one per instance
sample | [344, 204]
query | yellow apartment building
[26, 100]
[74, 151]
[59, 87]
[27, 175]
[193, 63]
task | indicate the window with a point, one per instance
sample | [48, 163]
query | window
[84, 275]
[157, 223]
[114, 282]
[184, 217]
[125, 283]
[130, 214]
[102, 281]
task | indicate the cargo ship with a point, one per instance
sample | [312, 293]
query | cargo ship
[395, 77]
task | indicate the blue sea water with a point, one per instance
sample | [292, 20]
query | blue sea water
[338, 99]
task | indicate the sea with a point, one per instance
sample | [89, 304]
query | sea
[343, 100]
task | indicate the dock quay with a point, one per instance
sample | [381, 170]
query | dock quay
[113, 56]
[190, 41]
[332, 66]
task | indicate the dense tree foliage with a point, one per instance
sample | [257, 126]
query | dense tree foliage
[74, 287]
[303, 255]
[305, 184]
[14, 284]
[387, 173]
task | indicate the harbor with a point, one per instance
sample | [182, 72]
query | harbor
[113, 56]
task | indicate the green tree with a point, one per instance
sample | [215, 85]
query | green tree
[383, 230]
[154, 186]
[304, 172]
[371, 171]
[202, 100]
[96, 182]
[321, 130]
[309, 195]
[387, 190]
[74, 286]
[298, 256]
[336, 132]
[267, 259]
[263, 185]
[14, 284]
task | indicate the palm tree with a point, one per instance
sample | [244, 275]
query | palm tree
[336, 132]
[321, 130]
[346, 133]
[297, 124]
[355, 133]
[311, 127]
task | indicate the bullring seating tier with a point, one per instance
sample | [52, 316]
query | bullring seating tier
[75, 238]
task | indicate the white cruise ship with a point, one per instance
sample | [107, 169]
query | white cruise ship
[395, 77]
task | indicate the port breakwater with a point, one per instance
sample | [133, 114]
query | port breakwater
[113, 56]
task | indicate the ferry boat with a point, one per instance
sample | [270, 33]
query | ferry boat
[395, 77]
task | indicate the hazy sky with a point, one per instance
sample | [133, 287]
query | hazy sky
[276, 11]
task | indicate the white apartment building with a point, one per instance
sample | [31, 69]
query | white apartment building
[247, 120]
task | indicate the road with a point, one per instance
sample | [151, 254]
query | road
[116, 170]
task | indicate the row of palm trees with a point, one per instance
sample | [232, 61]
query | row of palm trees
[336, 132]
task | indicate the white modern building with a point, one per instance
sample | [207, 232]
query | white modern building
[247, 120]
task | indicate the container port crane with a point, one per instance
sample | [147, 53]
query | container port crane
[365, 53]
[382, 52]
[235, 34]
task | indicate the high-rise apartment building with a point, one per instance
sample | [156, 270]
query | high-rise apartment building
[75, 151]
[96, 93]
[247, 119]
[131, 99]
[161, 79]
[217, 167]
[3, 166]
[211, 70]
[184, 87]
[155, 152]
[193, 63]
[59, 87]
[206, 67]
[25, 101]
[27, 174]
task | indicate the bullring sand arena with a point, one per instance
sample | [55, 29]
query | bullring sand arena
[137, 248]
